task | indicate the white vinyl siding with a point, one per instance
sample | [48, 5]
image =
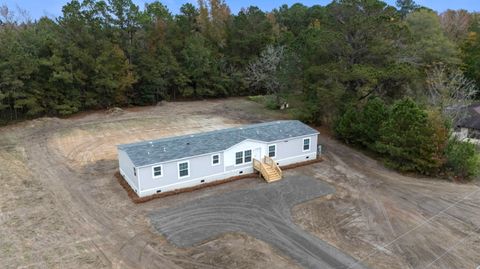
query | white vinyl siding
[286, 152]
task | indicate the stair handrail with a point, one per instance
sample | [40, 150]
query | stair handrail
[258, 165]
[268, 160]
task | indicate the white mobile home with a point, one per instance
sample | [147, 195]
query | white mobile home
[184, 161]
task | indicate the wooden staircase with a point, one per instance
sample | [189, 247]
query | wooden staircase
[268, 169]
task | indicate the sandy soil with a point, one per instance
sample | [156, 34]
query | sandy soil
[263, 211]
[387, 220]
[61, 207]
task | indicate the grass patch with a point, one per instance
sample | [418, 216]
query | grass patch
[269, 101]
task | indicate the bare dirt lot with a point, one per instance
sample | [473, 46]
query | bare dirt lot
[263, 212]
[61, 207]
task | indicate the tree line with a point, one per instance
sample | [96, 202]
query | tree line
[330, 60]
[100, 54]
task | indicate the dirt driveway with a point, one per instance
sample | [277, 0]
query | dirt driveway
[388, 220]
[61, 207]
[263, 212]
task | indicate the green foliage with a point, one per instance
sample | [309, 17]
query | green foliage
[471, 51]
[411, 140]
[333, 58]
[463, 159]
[201, 70]
[362, 126]
[429, 43]
[269, 101]
[406, 6]
[247, 35]
[409, 137]
[257, 98]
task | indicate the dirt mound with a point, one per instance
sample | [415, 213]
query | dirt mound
[115, 111]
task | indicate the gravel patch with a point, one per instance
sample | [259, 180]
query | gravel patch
[263, 212]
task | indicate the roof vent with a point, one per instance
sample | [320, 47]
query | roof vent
[164, 149]
[188, 143]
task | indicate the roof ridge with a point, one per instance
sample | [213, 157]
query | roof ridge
[189, 145]
[205, 133]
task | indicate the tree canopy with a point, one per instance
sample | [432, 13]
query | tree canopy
[354, 64]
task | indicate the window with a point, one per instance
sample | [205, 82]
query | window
[215, 159]
[248, 156]
[183, 170]
[134, 171]
[306, 144]
[272, 151]
[157, 171]
[239, 157]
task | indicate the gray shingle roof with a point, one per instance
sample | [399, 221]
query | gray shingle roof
[173, 148]
[472, 117]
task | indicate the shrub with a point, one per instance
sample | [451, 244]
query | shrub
[346, 126]
[411, 139]
[362, 126]
[463, 159]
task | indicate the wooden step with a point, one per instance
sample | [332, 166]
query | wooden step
[270, 180]
[270, 173]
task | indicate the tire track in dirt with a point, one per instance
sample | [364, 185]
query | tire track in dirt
[263, 212]
[75, 188]
[397, 204]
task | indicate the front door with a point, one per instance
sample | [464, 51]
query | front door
[257, 153]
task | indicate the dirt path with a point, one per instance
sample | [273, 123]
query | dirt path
[61, 207]
[388, 220]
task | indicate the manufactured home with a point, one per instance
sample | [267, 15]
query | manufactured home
[467, 128]
[173, 163]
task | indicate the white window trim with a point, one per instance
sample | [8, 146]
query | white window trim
[153, 171]
[251, 156]
[268, 150]
[178, 168]
[309, 144]
[243, 158]
[215, 164]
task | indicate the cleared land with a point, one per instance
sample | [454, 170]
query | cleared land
[263, 212]
[60, 205]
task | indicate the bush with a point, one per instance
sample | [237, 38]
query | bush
[362, 126]
[463, 159]
[406, 135]
[347, 125]
[411, 139]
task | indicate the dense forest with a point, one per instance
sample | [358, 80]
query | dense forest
[351, 57]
